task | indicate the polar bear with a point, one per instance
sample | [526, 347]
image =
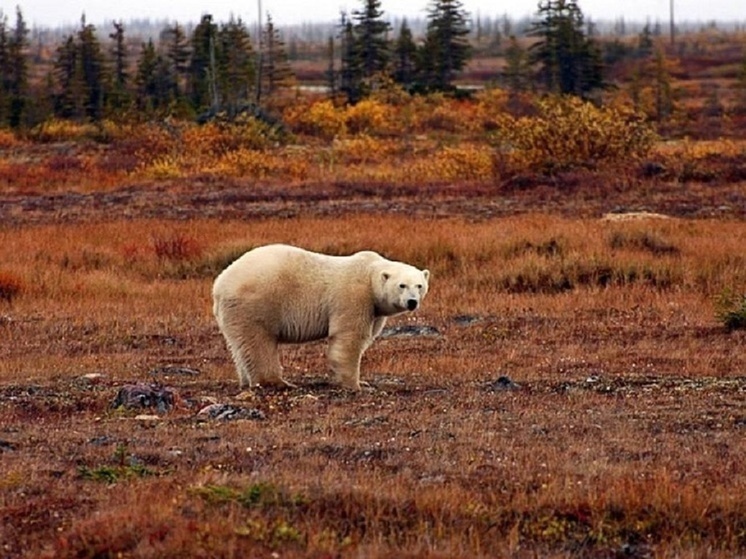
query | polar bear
[284, 294]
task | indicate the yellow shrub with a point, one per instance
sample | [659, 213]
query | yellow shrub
[569, 132]
[456, 163]
[162, 168]
[361, 149]
[367, 116]
[492, 100]
[55, 130]
[321, 119]
[246, 163]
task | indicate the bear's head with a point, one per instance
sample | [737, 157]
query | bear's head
[399, 288]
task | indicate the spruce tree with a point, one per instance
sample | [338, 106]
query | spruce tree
[276, 72]
[146, 82]
[235, 66]
[645, 42]
[516, 72]
[371, 34]
[14, 95]
[69, 99]
[4, 71]
[350, 71]
[446, 49]
[92, 70]
[405, 57]
[119, 98]
[199, 84]
[177, 52]
[331, 71]
[569, 62]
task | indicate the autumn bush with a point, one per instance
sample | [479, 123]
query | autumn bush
[368, 117]
[320, 118]
[11, 285]
[59, 130]
[452, 163]
[568, 132]
[392, 137]
[8, 139]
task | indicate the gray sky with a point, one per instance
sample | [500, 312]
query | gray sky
[57, 12]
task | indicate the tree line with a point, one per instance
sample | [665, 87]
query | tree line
[218, 67]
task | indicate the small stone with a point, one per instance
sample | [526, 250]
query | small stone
[226, 412]
[409, 330]
[502, 383]
[174, 370]
[145, 396]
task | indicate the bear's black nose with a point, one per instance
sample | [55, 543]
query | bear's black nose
[412, 304]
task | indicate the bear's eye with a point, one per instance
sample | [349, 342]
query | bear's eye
[402, 286]
[418, 286]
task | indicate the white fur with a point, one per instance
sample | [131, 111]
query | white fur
[283, 294]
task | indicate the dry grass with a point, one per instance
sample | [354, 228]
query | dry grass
[624, 439]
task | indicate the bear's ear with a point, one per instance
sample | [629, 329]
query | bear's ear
[385, 277]
[426, 273]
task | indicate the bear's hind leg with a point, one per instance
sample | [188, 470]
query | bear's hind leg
[256, 356]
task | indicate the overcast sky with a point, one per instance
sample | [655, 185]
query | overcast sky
[58, 12]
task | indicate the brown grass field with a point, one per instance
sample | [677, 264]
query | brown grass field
[621, 431]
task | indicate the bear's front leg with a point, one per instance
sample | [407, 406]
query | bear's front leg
[345, 353]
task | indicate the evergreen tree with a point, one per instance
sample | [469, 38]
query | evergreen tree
[4, 71]
[351, 71]
[645, 42]
[235, 66]
[14, 86]
[664, 102]
[92, 70]
[69, 98]
[331, 71]
[516, 72]
[569, 62]
[275, 72]
[145, 78]
[200, 88]
[370, 32]
[405, 57]
[155, 81]
[177, 52]
[446, 49]
[119, 98]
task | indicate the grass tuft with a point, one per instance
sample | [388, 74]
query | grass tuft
[642, 240]
[731, 310]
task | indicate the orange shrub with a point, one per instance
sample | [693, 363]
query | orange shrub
[246, 163]
[176, 247]
[362, 149]
[569, 132]
[367, 117]
[470, 162]
[8, 139]
[320, 119]
[11, 285]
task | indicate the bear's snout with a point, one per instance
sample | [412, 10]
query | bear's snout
[412, 304]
